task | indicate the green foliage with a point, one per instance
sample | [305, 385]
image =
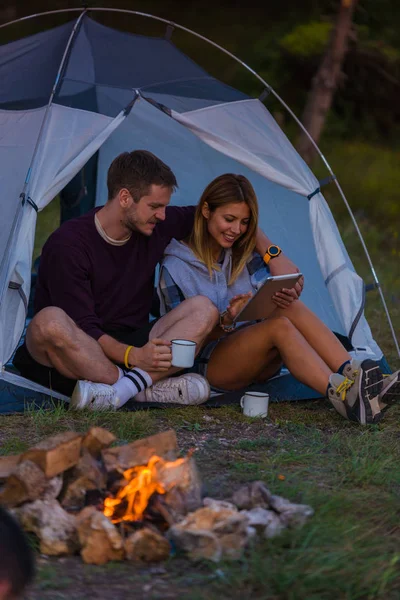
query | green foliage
[307, 40]
[370, 178]
[48, 220]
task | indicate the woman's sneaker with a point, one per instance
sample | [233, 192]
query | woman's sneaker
[356, 398]
[189, 389]
[390, 393]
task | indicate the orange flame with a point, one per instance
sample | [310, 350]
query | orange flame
[142, 483]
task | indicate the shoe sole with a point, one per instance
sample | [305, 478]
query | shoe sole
[206, 388]
[79, 399]
[391, 395]
[369, 387]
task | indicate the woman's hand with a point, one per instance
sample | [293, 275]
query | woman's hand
[285, 297]
[237, 303]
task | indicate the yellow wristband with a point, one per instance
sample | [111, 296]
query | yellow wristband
[128, 366]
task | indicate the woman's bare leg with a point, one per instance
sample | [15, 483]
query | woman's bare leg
[317, 334]
[242, 357]
[274, 363]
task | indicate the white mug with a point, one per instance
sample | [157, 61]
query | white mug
[255, 404]
[183, 353]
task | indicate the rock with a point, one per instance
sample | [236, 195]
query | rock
[86, 475]
[274, 527]
[211, 534]
[260, 518]
[252, 495]
[55, 528]
[290, 514]
[218, 504]
[97, 439]
[53, 488]
[98, 537]
[147, 545]
[26, 483]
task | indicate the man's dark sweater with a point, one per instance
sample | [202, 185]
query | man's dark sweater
[99, 285]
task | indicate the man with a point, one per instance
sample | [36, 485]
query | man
[17, 566]
[91, 335]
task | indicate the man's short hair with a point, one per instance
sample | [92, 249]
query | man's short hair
[137, 171]
[17, 564]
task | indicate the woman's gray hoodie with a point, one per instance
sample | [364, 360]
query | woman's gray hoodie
[193, 279]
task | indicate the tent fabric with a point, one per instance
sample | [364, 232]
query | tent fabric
[28, 68]
[198, 125]
[70, 137]
[247, 132]
[102, 58]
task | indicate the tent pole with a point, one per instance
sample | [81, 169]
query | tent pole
[49, 12]
[299, 123]
[17, 218]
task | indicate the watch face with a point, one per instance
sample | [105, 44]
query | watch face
[273, 250]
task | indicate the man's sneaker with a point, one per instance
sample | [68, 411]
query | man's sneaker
[390, 393]
[186, 389]
[357, 399]
[93, 396]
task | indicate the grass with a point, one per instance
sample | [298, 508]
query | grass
[350, 548]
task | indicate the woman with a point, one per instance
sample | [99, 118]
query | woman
[219, 261]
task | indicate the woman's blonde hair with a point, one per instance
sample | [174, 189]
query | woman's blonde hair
[223, 190]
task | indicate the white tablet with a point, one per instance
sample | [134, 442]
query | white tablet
[261, 305]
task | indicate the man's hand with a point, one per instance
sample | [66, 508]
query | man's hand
[237, 303]
[156, 355]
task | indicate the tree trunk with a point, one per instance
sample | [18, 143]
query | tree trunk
[326, 81]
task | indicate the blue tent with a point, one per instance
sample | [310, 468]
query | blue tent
[75, 96]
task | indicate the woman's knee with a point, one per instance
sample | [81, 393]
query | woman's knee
[279, 326]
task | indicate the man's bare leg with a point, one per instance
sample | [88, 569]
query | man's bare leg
[54, 340]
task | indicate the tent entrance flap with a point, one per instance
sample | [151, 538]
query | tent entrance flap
[70, 138]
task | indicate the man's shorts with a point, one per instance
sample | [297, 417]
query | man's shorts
[52, 379]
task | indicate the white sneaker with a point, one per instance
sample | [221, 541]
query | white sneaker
[187, 389]
[93, 396]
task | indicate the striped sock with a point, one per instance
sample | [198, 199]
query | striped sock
[133, 382]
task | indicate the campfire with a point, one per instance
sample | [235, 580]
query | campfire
[82, 494]
[138, 488]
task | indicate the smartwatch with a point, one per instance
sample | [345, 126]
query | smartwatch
[272, 252]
